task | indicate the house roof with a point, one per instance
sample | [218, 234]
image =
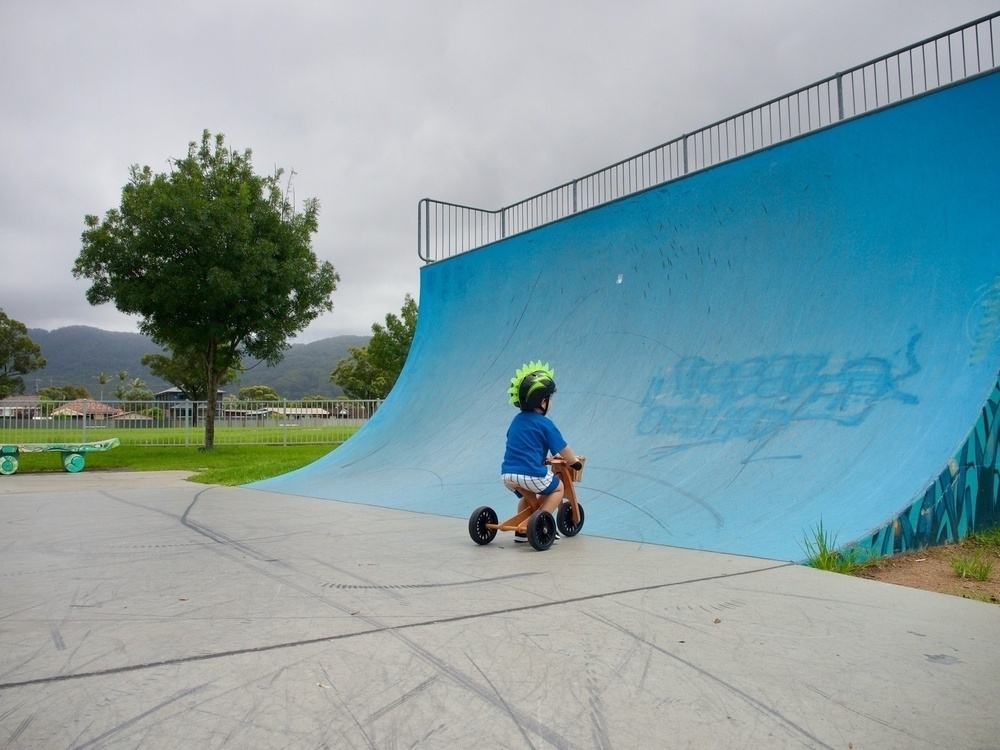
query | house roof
[32, 399]
[88, 406]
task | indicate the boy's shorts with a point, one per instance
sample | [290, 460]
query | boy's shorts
[539, 485]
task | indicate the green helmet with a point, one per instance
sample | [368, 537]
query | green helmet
[531, 384]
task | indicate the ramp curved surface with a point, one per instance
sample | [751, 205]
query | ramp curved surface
[806, 334]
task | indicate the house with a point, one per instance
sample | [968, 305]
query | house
[295, 412]
[20, 407]
[87, 407]
[179, 405]
[176, 394]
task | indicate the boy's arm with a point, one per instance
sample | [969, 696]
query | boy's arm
[567, 455]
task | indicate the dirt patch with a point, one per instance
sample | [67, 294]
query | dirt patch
[932, 570]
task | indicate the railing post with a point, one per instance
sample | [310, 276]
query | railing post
[684, 140]
[574, 195]
[840, 96]
[421, 245]
[503, 223]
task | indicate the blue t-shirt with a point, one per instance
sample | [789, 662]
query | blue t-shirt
[531, 437]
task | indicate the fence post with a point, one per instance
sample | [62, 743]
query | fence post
[284, 432]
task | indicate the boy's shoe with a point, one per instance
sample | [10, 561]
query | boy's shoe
[521, 538]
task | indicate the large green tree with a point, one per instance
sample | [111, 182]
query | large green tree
[212, 257]
[19, 355]
[371, 371]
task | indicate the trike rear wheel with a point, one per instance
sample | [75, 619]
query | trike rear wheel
[477, 525]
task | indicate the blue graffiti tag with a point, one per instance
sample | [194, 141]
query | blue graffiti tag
[701, 402]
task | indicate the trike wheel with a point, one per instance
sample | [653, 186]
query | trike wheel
[477, 525]
[541, 530]
[564, 518]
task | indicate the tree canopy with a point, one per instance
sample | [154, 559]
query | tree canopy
[213, 259]
[371, 371]
[19, 355]
[257, 393]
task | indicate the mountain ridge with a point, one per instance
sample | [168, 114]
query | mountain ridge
[76, 354]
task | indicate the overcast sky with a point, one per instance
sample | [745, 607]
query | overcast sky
[376, 104]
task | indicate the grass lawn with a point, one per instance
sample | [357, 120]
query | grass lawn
[225, 464]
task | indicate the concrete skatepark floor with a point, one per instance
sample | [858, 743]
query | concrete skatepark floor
[144, 610]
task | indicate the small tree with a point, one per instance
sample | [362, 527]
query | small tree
[19, 355]
[257, 393]
[102, 379]
[213, 258]
[371, 371]
[121, 390]
[63, 393]
[358, 376]
[137, 393]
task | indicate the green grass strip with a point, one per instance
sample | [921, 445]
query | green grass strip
[225, 464]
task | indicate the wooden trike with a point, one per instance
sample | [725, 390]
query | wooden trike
[534, 522]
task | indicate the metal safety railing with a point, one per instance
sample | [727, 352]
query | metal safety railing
[448, 229]
[181, 423]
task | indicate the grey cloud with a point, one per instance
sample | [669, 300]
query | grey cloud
[376, 105]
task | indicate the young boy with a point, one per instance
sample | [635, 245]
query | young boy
[531, 438]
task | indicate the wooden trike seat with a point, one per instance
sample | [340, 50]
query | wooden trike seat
[534, 522]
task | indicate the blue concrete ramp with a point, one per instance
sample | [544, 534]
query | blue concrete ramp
[804, 335]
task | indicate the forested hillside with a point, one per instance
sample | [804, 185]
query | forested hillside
[75, 355]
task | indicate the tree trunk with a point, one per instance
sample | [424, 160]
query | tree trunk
[211, 397]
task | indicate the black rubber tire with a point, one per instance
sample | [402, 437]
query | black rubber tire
[477, 525]
[541, 530]
[564, 519]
